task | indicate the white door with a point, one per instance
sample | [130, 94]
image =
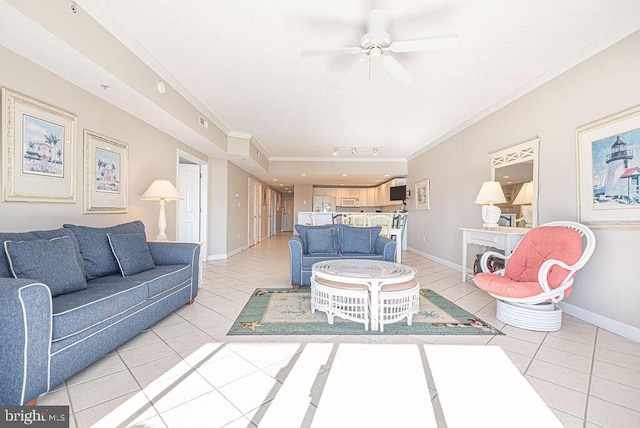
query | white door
[189, 208]
[254, 207]
[287, 214]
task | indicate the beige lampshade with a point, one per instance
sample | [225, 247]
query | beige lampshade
[490, 193]
[525, 195]
[161, 189]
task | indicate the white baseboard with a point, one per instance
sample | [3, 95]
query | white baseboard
[225, 256]
[624, 330]
[447, 263]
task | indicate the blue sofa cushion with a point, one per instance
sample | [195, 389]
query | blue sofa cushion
[95, 249]
[131, 252]
[75, 312]
[308, 261]
[5, 271]
[360, 240]
[52, 262]
[160, 280]
[321, 241]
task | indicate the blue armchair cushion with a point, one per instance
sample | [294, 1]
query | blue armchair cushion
[131, 252]
[321, 241]
[52, 262]
[360, 240]
[95, 249]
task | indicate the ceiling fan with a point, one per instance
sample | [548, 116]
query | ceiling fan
[376, 44]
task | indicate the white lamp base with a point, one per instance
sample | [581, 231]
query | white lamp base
[490, 216]
[162, 224]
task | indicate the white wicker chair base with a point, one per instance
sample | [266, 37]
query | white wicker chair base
[540, 317]
[347, 301]
[396, 303]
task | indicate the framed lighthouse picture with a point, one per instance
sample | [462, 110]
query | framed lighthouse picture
[609, 171]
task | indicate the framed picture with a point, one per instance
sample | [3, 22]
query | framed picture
[38, 150]
[609, 171]
[422, 195]
[105, 170]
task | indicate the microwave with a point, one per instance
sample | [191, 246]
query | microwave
[350, 202]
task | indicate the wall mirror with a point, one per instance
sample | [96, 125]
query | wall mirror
[516, 169]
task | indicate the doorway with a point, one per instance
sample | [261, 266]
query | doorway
[192, 211]
[254, 207]
[287, 214]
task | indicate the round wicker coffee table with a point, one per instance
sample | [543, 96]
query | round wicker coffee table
[372, 274]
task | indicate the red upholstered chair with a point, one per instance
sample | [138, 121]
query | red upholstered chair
[538, 274]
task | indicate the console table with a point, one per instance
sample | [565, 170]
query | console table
[502, 238]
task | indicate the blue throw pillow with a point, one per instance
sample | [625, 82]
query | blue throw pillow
[95, 249]
[131, 252]
[5, 271]
[52, 262]
[321, 241]
[302, 230]
[360, 240]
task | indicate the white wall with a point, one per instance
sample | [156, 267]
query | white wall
[302, 199]
[217, 215]
[152, 154]
[606, 290]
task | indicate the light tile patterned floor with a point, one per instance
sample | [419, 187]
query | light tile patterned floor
[185, 371]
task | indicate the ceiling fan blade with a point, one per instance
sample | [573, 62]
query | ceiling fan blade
[353, 72]
[377, 22]
[396, 70]
[423, 45]
[331, 51]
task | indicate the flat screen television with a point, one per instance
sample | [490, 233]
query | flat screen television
[398, 193]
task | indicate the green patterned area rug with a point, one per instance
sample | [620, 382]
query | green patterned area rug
[284, 311]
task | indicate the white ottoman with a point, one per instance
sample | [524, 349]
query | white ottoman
[397, 301]
[348, 301]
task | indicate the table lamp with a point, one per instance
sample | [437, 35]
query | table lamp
[490, 193]
[525, 199]
[161, 190]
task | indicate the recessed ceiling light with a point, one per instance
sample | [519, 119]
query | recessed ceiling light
[162, 89]
[505, 176]
[345, 175]
[275, 179]
[386, 175]
[281, 184]
[304, 175]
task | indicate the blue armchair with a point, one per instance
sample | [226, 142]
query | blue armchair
[313, 244]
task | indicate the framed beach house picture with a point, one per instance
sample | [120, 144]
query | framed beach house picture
[38, 150]
[105, 169]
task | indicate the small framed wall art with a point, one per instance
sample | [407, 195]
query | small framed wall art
[422, 195]
[38, 150]
[105, 171]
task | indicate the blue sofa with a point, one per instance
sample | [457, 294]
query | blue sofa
[69, 296]
[313, 244]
